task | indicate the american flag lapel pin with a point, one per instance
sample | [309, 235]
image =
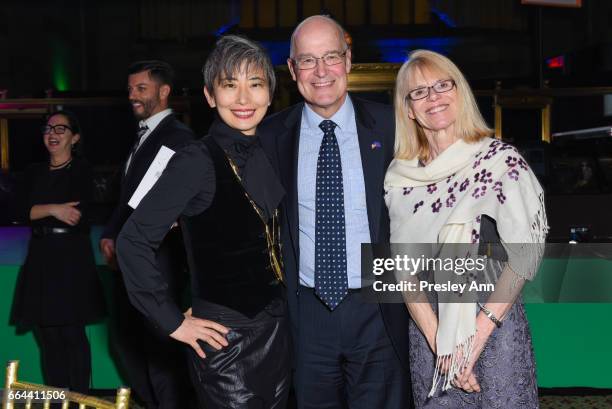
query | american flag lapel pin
[376, 145]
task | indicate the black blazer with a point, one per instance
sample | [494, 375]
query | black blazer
[169, 132]
[279, 135]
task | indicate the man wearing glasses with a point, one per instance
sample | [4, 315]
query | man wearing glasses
[332, 153]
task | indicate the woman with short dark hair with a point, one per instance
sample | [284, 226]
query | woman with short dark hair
[226, 195]
[58, 290]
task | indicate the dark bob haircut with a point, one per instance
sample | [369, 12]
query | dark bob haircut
[75, 126]
[73, 121]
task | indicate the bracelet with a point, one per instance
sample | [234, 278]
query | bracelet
[490, 315]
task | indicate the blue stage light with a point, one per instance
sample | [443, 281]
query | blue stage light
[397, 49]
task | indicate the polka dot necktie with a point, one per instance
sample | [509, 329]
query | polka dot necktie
[331, 281]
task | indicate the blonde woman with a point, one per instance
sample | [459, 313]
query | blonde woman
[451, 183]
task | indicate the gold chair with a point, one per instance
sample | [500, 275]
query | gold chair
[15, 392]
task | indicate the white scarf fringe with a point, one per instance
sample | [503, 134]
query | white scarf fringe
[454, 363]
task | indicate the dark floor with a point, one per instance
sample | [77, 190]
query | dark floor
[576, 402]
[553, 402]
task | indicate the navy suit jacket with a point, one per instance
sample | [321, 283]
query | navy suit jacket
[279, 135]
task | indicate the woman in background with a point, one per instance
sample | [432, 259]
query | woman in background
[58, 291]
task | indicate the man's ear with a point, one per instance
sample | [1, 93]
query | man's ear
[210, 98]
[164, 91]
[291, 68]
[348, 56]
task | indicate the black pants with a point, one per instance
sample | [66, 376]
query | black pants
[65, 356]
[254, 370]
[152, 364]
[345, 358]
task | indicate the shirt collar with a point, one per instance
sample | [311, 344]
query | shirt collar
[154, 120]
[343, 118]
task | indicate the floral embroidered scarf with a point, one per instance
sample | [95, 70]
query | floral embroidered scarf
[443, 201]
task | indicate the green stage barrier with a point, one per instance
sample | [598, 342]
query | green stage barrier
[570, 341]
[23, 347]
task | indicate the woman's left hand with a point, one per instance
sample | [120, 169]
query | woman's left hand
[466, 379]
[66, 212]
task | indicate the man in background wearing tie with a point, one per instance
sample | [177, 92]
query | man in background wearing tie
[152, 363]
[332, 153]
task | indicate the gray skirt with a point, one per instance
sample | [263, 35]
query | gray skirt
[505, 370]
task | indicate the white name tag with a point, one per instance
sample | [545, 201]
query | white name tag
[153, 173]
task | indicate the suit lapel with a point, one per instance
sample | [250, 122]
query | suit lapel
[372, 160]
[138, 166]
[148, 145]
[288, 147]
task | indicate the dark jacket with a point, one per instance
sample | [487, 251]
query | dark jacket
[280, 135]
[171, 133]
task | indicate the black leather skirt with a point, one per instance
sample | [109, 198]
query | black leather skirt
[254, 370]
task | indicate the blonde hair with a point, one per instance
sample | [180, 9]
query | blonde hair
[410, 140]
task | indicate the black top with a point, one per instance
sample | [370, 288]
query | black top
[58, 283]
[72, 183]
[186, 188]
[228, 249]
[254, 168]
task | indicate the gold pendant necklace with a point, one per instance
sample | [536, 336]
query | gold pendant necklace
[272, 232]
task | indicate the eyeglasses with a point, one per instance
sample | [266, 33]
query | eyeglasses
[309, 62]
[56, 129]
[423, 92]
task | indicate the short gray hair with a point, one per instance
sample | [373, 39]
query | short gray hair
[228, 56]
[333, 22]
